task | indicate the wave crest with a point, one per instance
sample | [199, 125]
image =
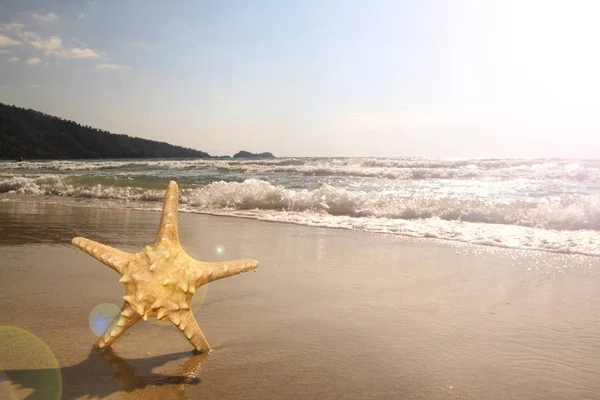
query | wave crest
[562, 212]
[569, 212]
[402, 169]
[569, 223]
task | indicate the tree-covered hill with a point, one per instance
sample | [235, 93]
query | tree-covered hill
[35, 135]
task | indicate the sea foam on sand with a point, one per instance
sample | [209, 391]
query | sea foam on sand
[564, 223]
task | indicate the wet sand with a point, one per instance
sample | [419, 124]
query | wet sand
[329, 314]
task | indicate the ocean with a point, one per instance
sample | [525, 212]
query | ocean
[537, 204]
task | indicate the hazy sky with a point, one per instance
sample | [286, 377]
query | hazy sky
[315, 78]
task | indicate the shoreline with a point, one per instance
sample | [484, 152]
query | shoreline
[316, 225]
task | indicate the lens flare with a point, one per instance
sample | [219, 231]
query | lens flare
[29, 366]
[199, 297]
[101, 317]
[219, 250]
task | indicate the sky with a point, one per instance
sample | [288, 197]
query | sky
[421, 78]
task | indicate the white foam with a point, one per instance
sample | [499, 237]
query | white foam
[569, 212]
[567, 223]
[563, 212]
[390, 168]
[570, 242]
[57, 185]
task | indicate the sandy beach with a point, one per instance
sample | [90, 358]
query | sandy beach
[329, 314]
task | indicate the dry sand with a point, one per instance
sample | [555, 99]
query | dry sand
[329, 314]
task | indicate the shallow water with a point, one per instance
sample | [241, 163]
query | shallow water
[545, 204]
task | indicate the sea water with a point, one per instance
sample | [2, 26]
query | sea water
[543, 204]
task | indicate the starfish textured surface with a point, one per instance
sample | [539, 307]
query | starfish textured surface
[161, 280]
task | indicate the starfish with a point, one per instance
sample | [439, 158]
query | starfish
[161, 279]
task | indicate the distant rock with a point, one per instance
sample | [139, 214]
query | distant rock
[247, 154]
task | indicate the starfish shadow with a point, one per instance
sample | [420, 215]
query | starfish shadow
[91, 379]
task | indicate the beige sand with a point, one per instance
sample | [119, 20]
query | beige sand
[330, 314]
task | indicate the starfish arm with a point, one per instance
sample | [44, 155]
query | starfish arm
[186, 323]
[116, 259]
[211, 271]
[125, 320]
[169, 220]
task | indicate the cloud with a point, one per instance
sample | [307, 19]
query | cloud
[12, 26]
[32, 86]
[112, 66]
[50, 17]
[49, 46]
[5, 41]
[33, 61]
[4, 51]
[53, 46]
[79, 53]
[13, 59]
[81, 15]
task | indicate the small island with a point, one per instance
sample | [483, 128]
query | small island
[252, 156]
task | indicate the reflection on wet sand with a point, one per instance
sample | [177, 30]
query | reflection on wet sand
[28, 223]
[81, 380]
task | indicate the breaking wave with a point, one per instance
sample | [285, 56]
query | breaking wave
[542, 204]
[560, 212]
[402, 169]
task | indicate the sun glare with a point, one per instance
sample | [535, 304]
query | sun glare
[546, 52]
